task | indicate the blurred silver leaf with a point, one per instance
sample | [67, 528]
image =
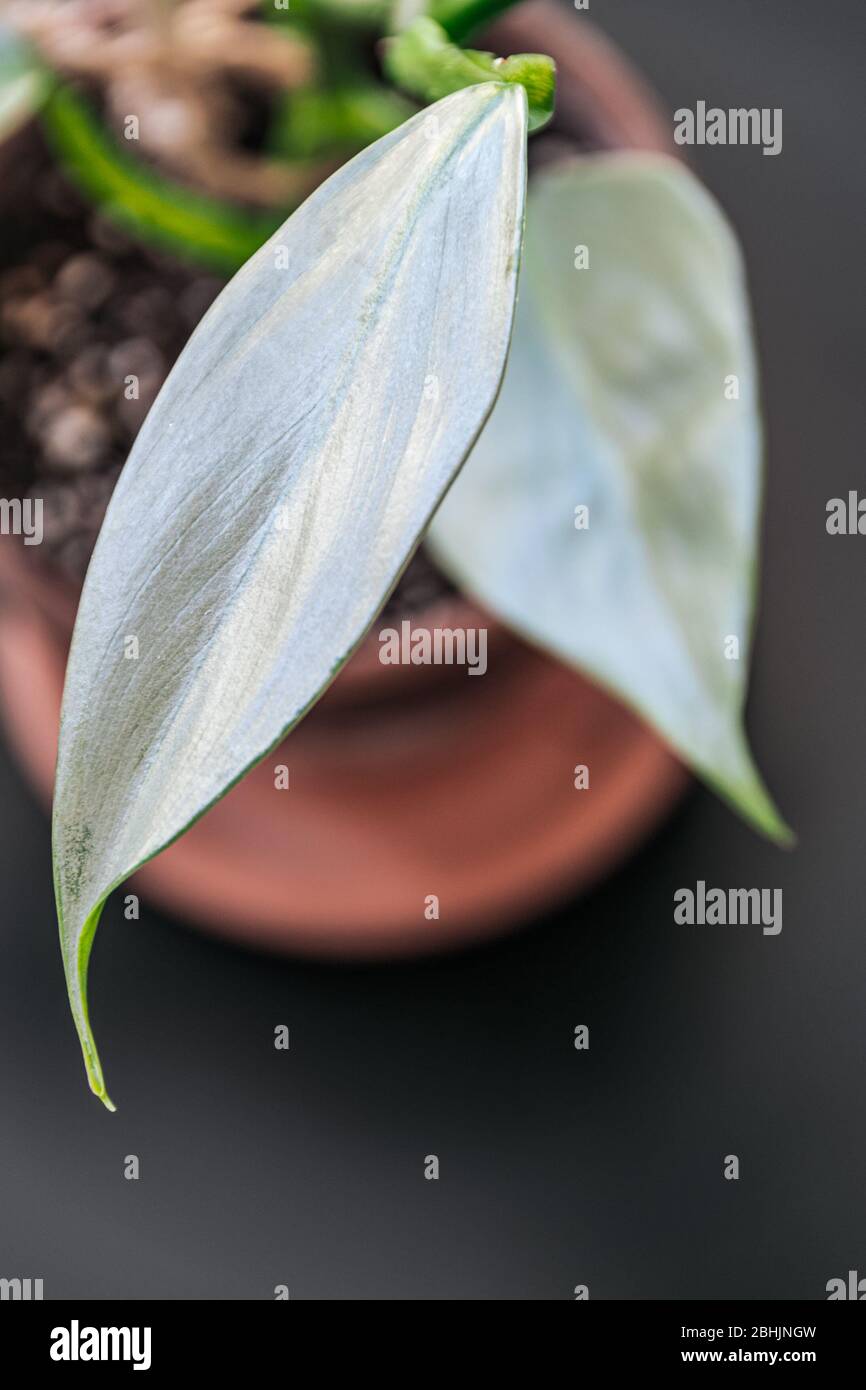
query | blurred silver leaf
[619, 397]
[279, 486]
[23, 83]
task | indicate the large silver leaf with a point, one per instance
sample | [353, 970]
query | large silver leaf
[620, 396]
[279, 486]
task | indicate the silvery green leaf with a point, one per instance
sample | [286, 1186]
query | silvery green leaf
[620, 397]
[23, 84]
[279, 486]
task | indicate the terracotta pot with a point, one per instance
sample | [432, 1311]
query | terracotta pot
[405, 782]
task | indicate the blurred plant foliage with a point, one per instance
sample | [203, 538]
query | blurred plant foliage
[23, 84]
[610, 511]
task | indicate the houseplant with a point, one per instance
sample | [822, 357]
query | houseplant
[321, 417]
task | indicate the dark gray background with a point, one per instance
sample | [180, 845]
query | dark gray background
[603, 1168]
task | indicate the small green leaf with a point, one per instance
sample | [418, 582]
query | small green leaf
[24, 83]
[422, 60]
[632, 339]
[278, 488]
[195, 226]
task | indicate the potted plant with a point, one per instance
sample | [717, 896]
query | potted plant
[594, 561]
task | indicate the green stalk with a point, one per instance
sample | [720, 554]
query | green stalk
[202, 229]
